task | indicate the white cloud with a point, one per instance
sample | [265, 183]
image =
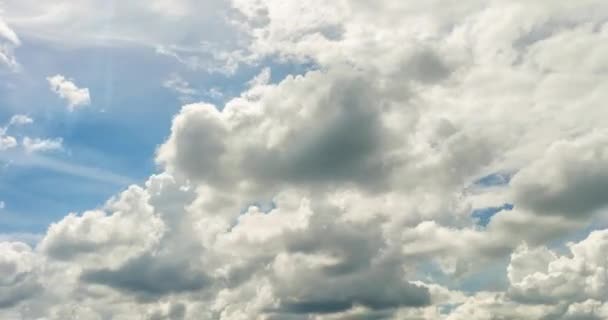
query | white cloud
[8, 34]
[19, 120]
[129, 229]
[214, 93]
[7, 142]
[347, 191]
[66, 89]
[569, 179]
[180, 86]
[18, 273]
[42, 145]
[8, 42]
[261, 79]
[576, 278]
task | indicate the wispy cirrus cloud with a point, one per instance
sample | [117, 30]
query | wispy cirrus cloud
[8, 42]
[46, 162]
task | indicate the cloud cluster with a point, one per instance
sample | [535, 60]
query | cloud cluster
[348, 192]
[29, 145]
[575, 283]
[66, 89]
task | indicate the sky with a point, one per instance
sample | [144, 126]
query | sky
[318, 160]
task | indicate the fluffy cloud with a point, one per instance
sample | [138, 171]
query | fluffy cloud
[541, 275]
[19, 277]
[66, 89]
[348, 192]
[569, 179]
[7, 142]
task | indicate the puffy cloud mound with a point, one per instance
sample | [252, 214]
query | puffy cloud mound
[66, 89]
[576, 281]
[570, 179]
[349, 192]
[19, 277]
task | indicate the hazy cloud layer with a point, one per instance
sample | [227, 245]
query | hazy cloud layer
[348, 192]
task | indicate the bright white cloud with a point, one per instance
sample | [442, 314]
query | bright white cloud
[67, 90]
[347, 192]
[539, 275]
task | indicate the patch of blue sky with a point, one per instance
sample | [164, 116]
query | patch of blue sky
[494, 179]
[30, 238]
[483, 216]
[491, 277]
[117, 135]
[36, 196]
[264, 206]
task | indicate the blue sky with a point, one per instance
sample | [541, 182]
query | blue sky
[129, 116]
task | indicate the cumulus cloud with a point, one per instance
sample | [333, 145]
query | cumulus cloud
[538, 275]
[67, 90]
[351, 191]
[19, 278]
[569, 179]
